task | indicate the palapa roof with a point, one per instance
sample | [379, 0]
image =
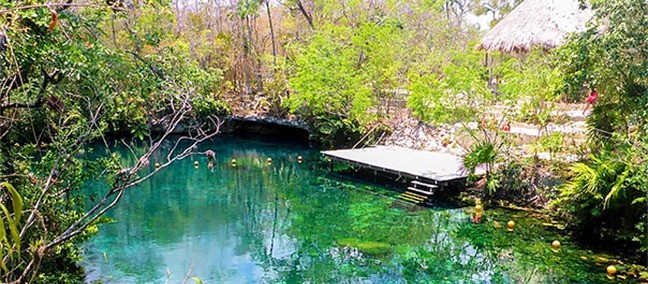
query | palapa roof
[543, 23]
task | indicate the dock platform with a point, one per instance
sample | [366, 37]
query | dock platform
[414, 164]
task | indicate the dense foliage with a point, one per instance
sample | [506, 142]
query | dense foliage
[607, 193]
[71, 74]
[79, 71]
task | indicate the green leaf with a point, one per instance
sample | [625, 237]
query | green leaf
[2, 264]
[3, 241]
[13, 229]
[17, 201]
[639, 200]
[618, 186]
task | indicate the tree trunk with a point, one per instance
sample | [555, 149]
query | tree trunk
[308, 17]
[248, 64]
[258, 68]
[272, 37]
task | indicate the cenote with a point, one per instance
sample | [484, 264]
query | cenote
[290, 222]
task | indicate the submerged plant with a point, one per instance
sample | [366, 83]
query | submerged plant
[366, 247]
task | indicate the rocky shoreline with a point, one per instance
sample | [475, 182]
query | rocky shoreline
[455, 138]
[413, 134]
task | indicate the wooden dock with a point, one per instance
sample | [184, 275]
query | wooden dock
[414, 164]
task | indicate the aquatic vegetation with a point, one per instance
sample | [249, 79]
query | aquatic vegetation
[291, 223]
[366, 247]
[73, 72]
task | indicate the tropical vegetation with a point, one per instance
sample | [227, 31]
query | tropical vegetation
[76, 72]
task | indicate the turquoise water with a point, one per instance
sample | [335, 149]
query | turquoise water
[292, 222]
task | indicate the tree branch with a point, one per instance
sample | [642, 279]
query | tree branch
[36, 104]
[61, 6]
[154, 70]
[126, 178]
[308, 17]
[48, 79]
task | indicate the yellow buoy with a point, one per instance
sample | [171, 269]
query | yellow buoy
[299, 159]
[269, 161]
[611, 270]
[233, 162]
[479, 208]
[510, 225]
[196, 163]
[157, 165]
[555, 245]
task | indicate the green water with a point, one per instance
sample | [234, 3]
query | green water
[294, 223]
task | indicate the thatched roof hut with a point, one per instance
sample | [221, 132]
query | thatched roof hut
[544, 23]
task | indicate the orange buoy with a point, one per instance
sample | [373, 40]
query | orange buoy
[611, 270]
[510, 225]
[555, 245]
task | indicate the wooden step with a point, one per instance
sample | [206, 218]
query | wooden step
[408, 199]
[420, 191]
[416, 182]
[414, 195]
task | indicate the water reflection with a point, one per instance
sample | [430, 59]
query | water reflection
[284, 222]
